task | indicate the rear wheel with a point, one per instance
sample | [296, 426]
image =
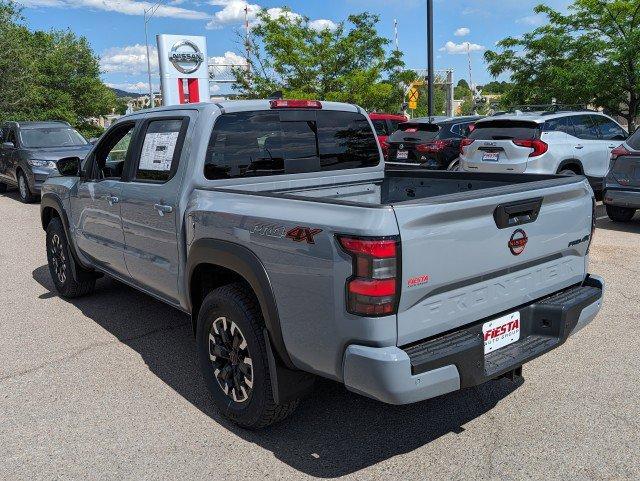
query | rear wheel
[23, 189]
[620, 214]
[233, 358]
[454, 166]
[68, 284]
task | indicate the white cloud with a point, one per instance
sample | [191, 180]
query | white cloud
[233, 13]
[126, 7]
[462, 32]
[129, 60]
[229, 58]
[461, 48]
[533, 20]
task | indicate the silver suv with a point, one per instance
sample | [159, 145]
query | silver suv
[544, 143]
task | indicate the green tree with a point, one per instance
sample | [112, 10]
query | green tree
[348, 64]
[48, 75]
[590, 55]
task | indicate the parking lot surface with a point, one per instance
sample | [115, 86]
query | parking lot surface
[107, 387]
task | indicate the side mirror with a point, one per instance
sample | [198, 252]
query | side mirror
[8, 145]
[93, 140]
[69, 166]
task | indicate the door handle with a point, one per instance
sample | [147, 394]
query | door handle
[163, 209]
[612, 146]
[579, 146]
[112, 199]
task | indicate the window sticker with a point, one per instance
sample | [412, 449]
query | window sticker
[157, 151]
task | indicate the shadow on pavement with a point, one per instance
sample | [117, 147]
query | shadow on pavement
[333, 432]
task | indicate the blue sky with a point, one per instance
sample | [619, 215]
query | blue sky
[115, 27]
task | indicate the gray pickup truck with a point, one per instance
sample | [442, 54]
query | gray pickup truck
[276, 227]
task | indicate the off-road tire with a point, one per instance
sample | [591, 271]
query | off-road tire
[24, 194]
[620, 214]
[237, 304]
[67, 284]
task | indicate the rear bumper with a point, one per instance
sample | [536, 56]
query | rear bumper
[622, 198]
[456, 360]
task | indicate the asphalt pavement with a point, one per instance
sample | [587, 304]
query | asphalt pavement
[107, 387]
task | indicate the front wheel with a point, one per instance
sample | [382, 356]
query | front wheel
[23, 189]
[68, 284]
[620, 214]
[233, 358]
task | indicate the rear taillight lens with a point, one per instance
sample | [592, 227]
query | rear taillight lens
[465, 143]
[435, 146]
[539, 147]
[372, 290]
[619, 152]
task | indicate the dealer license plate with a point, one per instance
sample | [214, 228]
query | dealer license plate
[501, 332]
[491, 156]
[402, 155]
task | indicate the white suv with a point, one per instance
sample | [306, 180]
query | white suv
[544, 143]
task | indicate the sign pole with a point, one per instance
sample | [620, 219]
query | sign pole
[430, 57]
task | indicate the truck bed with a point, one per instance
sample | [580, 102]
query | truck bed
[410, 184]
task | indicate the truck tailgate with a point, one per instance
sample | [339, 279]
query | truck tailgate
[463, 258]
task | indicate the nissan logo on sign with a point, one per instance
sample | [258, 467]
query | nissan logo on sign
[186, 57]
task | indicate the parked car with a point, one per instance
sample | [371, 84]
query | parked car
[29, 151]
[570, 143]
[622, 184]
[385, 125]
[433, 145]
[276, 227]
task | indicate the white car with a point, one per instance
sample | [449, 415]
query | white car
[544, 143]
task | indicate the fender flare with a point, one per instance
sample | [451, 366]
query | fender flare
[566, 162]
[246, 264]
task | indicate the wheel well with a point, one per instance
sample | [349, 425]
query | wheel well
[573, 165]
[207, 277]
[48, 213]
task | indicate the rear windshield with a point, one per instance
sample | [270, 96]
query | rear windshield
[415, 132]
[634, 140]
[505, 130]
[252, 144]
[51, 137]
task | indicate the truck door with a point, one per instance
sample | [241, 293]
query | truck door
[150, 214]
[96, 207]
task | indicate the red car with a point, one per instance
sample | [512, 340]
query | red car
[385, 125]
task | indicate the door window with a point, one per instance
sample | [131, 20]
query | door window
[609, 130]
[11, 137]
[585, 128]
[161, 148]
[112, 152]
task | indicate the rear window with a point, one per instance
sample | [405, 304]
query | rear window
[634, 140]
[505, 130]
[415, 132]
[253, 144]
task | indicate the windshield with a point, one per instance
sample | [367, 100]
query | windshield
[52, 137]
[505, 130]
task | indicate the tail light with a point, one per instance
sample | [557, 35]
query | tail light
[373, 288]
[435, 146]
[539, 147]
[465, 143]
[619, 151]
[295, 104]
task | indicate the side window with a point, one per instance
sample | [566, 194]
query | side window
[393, 126]
[11, 137]
[561, 124]
[609, 130]
[112, 152]
[585, 128]
[161, 149]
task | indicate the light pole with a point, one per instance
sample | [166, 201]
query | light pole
[148, 14]
[430, 57]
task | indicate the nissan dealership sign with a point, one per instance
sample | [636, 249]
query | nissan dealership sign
[184, 73]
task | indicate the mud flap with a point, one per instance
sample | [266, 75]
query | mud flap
[287, 384]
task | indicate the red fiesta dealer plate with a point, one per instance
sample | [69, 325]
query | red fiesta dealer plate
[501, 332]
